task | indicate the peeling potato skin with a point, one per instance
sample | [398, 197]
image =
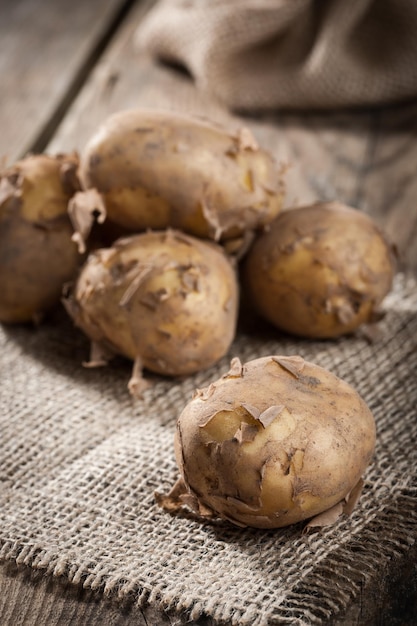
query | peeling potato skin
[37, 255]
[275, 444]
[164, 297]
[319, 271]
[158, 170]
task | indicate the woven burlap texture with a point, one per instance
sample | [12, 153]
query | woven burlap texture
[80, 461]
[297, 54]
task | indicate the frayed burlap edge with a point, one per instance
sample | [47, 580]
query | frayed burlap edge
[312, 600]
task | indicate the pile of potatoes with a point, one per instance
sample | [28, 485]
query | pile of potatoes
[153, 238]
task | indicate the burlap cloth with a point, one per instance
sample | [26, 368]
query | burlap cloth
[261, 54]
[80, 462]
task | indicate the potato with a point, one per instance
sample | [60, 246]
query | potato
[273, 442]
[37, 255]
[164, 299]
[319, 271]
[160, 169]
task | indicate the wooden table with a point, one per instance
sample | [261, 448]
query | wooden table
[64, 67]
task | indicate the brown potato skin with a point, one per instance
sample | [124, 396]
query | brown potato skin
[37, 255]
[181, 314]
[319, 271]
[158, 169]
[306, 460]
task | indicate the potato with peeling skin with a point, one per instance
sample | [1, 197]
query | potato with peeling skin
[319, 271]
[166, 300]
[273, 442]
[37, 255]
[160, 169]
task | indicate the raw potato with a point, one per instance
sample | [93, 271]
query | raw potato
[319, 271]
[164, 299]
[273, 442]
[37, 255]
[160, 169]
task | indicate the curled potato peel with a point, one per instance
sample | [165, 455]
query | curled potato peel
[156, 169]
[164, 299]
[275, 441]
[319, 271]
[37, 255]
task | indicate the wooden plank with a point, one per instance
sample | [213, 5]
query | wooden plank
[29, 598]
[46, 46]
[125, 78]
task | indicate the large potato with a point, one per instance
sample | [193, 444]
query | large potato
[273, 442]
[37, 255]
[319, 271]
[160, 169]
[164, 299]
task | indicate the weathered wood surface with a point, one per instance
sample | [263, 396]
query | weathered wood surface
[366, 159]
[29, 598]
[46, 49]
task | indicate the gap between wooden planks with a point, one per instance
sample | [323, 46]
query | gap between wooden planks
[47, 48]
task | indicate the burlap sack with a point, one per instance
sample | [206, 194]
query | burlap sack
[262, 54]
[79, 463]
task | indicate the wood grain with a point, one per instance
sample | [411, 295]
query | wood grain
[29, 598]
[46, 47]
